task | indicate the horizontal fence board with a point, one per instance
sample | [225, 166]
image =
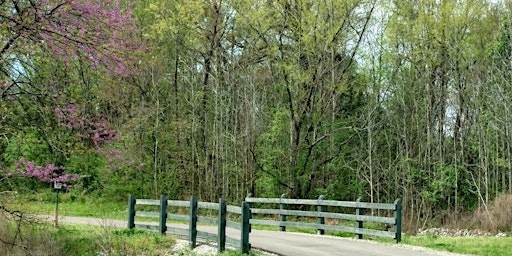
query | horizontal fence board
[147, 202]
[178, 203]
[147, 227]
[324, 227]
[373, 232]
[377, 219]
[232, 224]
[207, 220]
[349, 204]
[331, 215]
[234, 209]
[207, 205]
[262, 200]
[147, 214]
[178, 231]
[207, 235]
[377, 206]
[232, 241]
[177, 216]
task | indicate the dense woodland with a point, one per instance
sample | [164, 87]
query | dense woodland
[221, 98]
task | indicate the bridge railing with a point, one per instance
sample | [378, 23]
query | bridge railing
[193, 217]
[321, 214]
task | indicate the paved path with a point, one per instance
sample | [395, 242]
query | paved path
[291, 244]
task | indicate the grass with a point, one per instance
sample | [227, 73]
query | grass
[485, 246]
[69, 205]
[42, 239]
[84, 240]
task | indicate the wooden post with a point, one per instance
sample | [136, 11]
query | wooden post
[192, 238]
[398, 220]
[163, 214]
[282, 217]
[221, 234]
[245, 246]
[359, 223]
[250, 214]
[131, 211]
[320, 220]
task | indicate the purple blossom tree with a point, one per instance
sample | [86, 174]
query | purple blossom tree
[97, 32]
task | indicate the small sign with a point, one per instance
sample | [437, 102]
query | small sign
[57, 185]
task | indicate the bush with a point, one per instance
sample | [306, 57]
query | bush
[498, 214]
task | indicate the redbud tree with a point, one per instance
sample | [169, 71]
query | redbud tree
[98, 32]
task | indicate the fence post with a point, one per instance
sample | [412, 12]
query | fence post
[131, 211]
[250, 214]
[192, 238]
[282, 217]
[163, 215]
[221, 234]
[244, 241]
[359, 223]
[320, 220]
[398, 220]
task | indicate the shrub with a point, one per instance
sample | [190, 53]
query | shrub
[498, 214]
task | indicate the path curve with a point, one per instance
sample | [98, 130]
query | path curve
[289, 243]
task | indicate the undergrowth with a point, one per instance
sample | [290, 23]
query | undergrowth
[31, 237]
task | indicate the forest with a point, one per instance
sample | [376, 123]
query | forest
[220, 98]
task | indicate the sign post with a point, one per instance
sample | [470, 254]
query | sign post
[57, 186]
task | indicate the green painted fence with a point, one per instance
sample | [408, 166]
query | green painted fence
[193, 218]
[247, 216]
[321, 214]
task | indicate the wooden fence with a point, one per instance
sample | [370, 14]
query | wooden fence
[321, 214]
[193, 218]
[246, 217]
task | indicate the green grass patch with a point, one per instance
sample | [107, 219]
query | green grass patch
[69, 205]
[85, 240]
[485, 246]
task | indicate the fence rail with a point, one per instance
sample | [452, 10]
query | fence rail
[247, 209]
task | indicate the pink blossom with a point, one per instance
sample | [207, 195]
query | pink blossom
[49, 173]
[94, 129]
[97, 30]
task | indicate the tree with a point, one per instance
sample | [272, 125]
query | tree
[40, 41]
